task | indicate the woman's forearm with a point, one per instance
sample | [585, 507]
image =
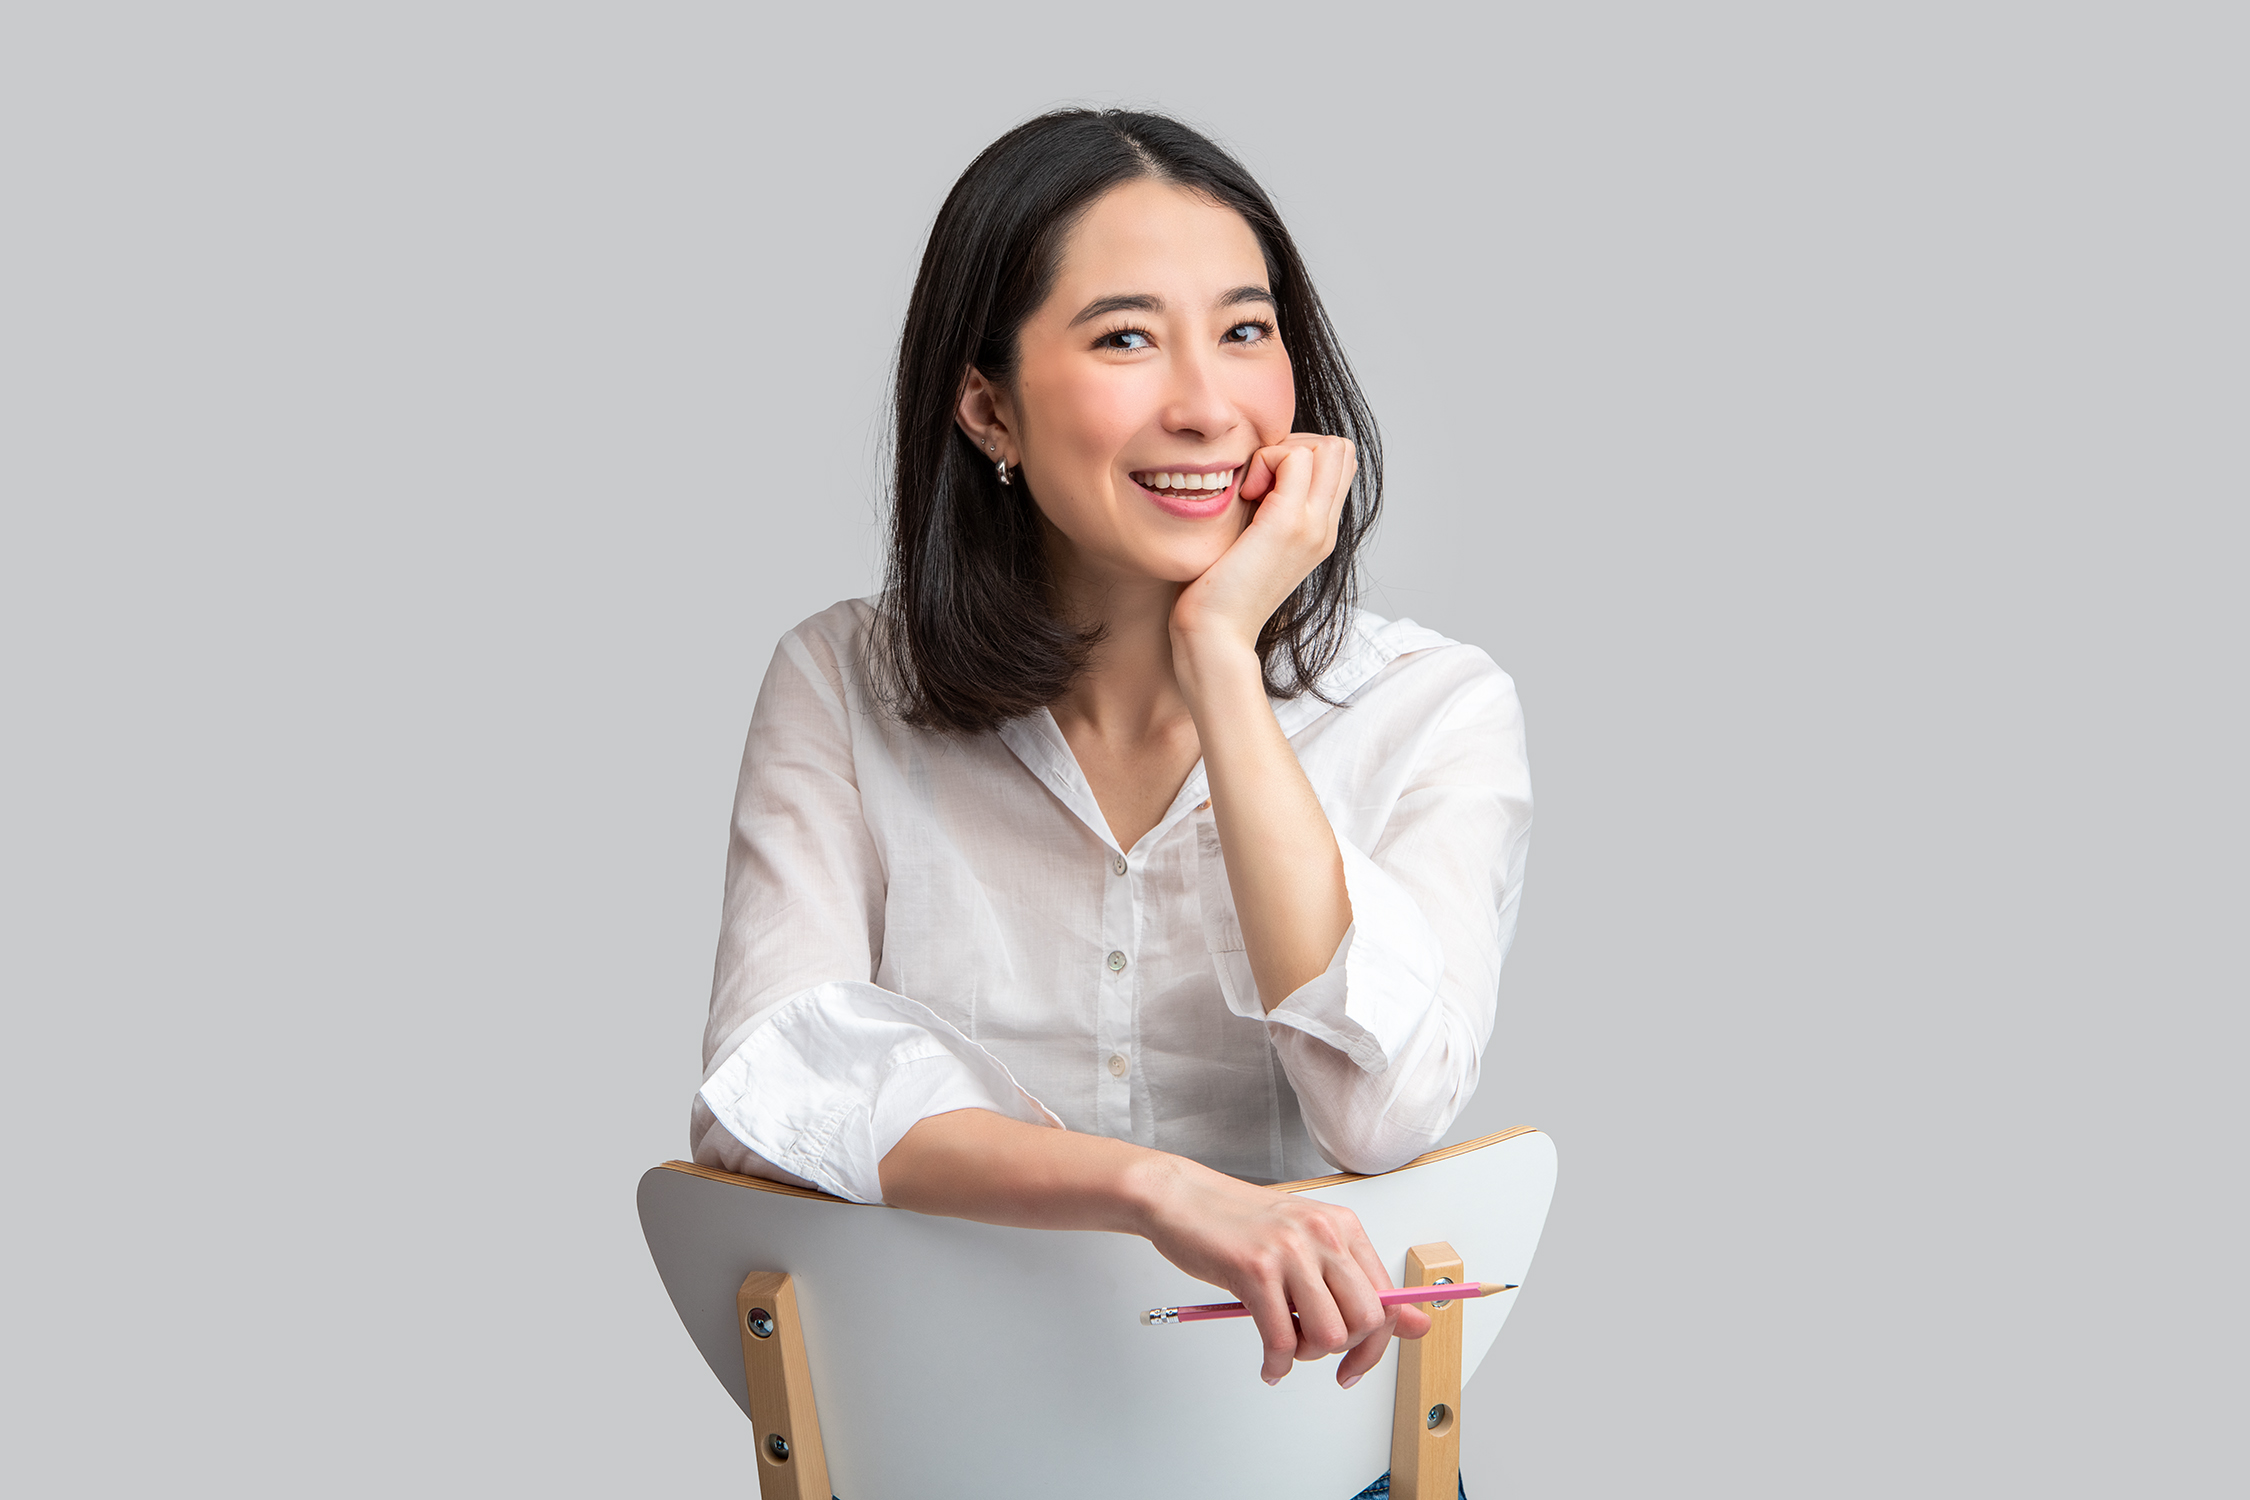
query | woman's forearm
[974, 1164]
[1304, 1268]
[1283, 865]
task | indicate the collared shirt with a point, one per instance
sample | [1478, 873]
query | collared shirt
[917, 922]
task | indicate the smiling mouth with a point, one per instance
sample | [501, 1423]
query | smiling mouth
[1180, 482]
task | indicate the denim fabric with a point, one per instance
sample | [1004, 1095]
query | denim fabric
[1381, 1489]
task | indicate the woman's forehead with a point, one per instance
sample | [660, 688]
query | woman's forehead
[1150, 238]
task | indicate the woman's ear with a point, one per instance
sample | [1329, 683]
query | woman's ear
[984, 413]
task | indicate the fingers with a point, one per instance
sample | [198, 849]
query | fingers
[1365, 1356]
[1266, 466]
[1301, 485]
[1322, 1326]
[1374, 1277]
[1334, 1305]
[1257, 480]
[1328, 476]
[1277, 1330]
[1345, 1312]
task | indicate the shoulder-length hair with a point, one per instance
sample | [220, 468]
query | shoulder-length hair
[969, 634]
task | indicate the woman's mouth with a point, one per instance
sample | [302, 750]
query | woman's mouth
[1189, 492]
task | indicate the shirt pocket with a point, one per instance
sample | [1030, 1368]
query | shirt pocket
[1222, 930]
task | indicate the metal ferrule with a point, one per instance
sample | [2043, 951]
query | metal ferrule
[1156, 1315]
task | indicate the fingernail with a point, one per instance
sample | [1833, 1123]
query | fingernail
[1273, 1380]
[1351, 1382]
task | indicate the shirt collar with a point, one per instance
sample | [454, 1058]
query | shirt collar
[1371, 644]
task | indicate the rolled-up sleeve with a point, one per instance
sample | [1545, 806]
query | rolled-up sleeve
[1385, 1047]
[830, 1080]
[812, 1072]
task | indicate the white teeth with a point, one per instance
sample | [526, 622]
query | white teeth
[1162, 479]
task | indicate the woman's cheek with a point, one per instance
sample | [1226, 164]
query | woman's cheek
[1272, 402]
[1110, 413]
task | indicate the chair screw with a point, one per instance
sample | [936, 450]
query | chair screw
[778, 1446]
[759, 1322]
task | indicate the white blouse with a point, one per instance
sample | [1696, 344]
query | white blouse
[918, 922]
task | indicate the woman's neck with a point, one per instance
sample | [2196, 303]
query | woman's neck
[1125, 718]
[1129, 692]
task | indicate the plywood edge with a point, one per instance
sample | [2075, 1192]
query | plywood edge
[786, 1190]
[1443, 1153]
[1335, 1179]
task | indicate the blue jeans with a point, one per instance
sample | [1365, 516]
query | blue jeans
[1381, 1489]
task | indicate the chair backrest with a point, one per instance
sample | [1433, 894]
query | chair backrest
[952, 1359]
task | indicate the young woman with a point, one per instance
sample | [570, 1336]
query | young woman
[1109, 866]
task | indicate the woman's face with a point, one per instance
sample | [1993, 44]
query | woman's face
[1144, 383]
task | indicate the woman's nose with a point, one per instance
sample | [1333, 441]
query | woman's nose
[1198, 401]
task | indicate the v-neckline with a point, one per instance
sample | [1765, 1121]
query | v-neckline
[1038, 741]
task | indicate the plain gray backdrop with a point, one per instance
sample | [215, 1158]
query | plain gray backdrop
[420, 421]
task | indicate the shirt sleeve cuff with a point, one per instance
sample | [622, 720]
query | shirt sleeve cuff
[831, 1079]
[1378, 989]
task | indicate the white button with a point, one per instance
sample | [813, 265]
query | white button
[1116, 962]
[1118, 864]
[1118, 1065]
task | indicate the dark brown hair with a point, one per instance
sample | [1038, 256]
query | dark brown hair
[969, 636]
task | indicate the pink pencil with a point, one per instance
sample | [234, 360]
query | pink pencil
[1393, 1298]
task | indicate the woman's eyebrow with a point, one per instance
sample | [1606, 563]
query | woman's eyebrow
[1149, 303]
[1131, 302]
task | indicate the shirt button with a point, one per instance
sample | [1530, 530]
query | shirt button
[1116, 962]
[1118, 864]
[1204, 805]
[1118, 1065]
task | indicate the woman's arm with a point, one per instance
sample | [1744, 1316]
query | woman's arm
[811, 1071]
[1273, 1250]
[1283, 866]
[1381, 1033]
[1385, 1048]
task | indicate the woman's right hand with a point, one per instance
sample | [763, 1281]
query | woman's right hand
[1275, 1251]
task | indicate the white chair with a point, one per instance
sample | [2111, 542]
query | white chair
[886, 1355]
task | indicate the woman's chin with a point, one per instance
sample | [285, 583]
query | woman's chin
[1177, 564]
[1160, 555]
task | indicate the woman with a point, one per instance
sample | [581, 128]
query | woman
[1110, 866]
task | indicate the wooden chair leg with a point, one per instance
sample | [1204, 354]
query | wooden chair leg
[1426, 1422]
[791, 1463]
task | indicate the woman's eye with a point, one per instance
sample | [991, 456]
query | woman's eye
[1249, 333]
[1126, 338]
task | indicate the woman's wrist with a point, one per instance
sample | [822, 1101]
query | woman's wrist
[1163, 1191]
[1150, 1182]
[1216, 667]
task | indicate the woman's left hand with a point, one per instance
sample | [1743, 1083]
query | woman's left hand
[1299, 486]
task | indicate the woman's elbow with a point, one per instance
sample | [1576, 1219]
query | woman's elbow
[1380, 1146]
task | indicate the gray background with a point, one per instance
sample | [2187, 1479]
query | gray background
[420, 421]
